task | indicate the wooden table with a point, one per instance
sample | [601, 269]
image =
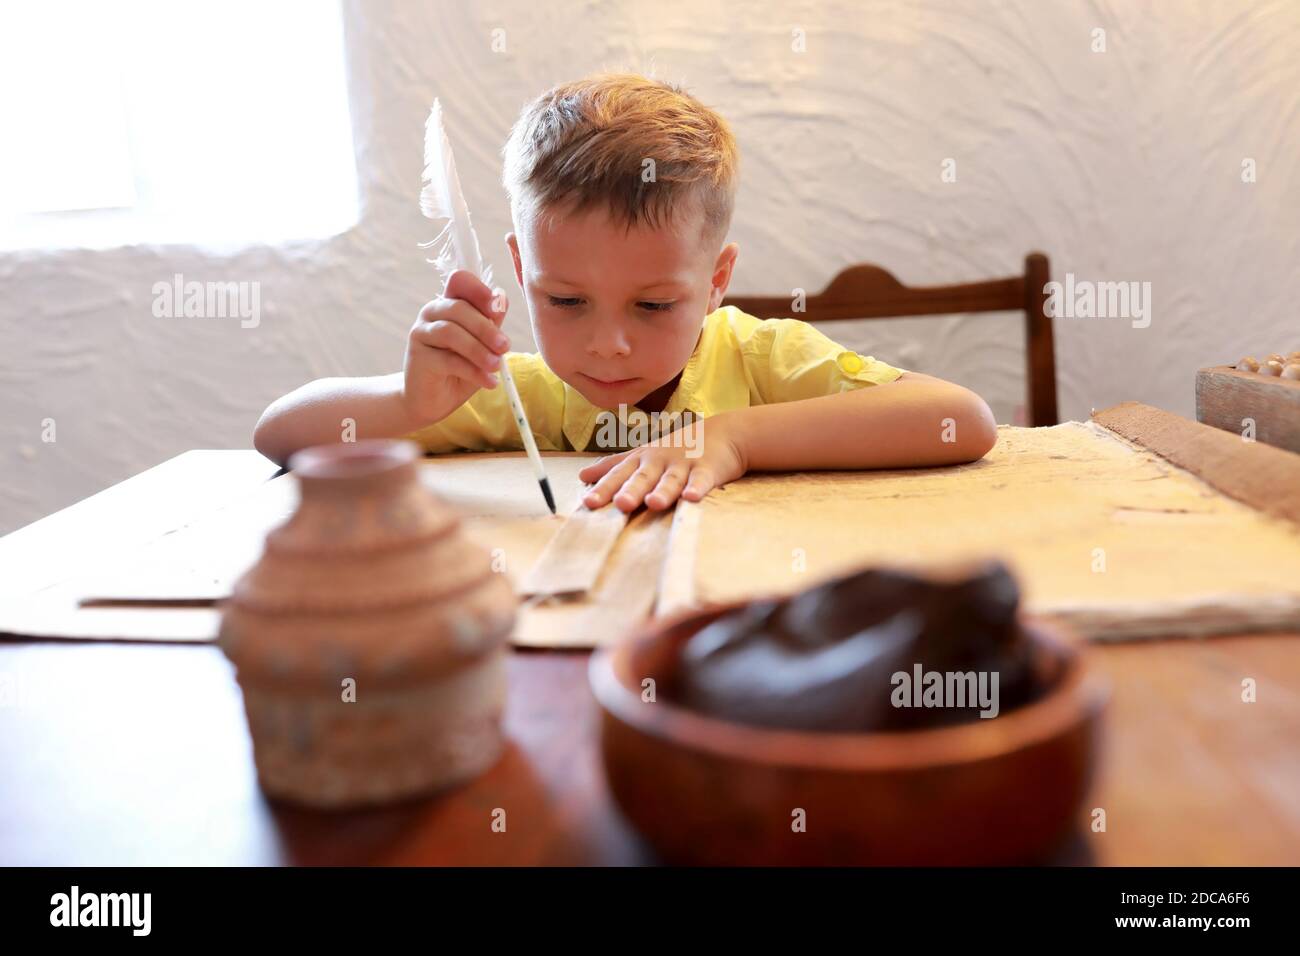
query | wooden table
[116, 753]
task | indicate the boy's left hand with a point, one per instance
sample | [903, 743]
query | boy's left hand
[659, 472]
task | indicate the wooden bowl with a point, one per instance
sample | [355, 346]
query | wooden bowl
[704, 790]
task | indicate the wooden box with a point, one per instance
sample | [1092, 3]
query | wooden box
[1225, 397]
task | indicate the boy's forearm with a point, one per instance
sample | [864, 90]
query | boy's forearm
[319, 412]
[914, 421]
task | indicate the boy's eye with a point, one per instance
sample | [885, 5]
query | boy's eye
[571, 301]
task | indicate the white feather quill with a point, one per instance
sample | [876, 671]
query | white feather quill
[456, 247]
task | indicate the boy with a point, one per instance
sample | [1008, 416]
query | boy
[621, 191]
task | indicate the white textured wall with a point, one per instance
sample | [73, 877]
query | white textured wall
[1122, 165]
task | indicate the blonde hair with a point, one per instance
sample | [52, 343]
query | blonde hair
[588, 144]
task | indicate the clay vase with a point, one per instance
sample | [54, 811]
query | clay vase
[370, 637]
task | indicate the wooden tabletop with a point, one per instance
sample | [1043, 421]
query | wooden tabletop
[117, 753]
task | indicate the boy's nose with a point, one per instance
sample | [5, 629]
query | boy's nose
[608, 343]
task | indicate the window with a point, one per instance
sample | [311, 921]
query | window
[196, 122]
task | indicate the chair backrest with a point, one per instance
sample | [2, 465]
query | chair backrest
[870, 292]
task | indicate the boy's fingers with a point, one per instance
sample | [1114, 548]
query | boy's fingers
[633, 491]
[445, 334]
[468, 287]
[613, 479]
[701, 484]
[600, 466]
[669, 487]
[467, 317]
[457, 366]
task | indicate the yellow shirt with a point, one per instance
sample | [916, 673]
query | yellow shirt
[739, 361]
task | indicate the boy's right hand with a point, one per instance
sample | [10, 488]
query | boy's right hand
[454, 348]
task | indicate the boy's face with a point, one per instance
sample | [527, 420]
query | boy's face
[617, 312]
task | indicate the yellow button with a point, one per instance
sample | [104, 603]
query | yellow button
[850, 362]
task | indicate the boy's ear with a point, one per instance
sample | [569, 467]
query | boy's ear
[722, 274]
[513, 243]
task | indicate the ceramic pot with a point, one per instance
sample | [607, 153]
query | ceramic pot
[370, 637]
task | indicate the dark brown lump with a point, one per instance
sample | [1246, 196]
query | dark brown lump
[827, 659]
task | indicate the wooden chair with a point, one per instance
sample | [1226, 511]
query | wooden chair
[870, 292]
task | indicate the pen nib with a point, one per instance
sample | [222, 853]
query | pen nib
[546, 491]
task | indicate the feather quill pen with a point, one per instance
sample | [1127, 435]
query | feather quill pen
[456, 247]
